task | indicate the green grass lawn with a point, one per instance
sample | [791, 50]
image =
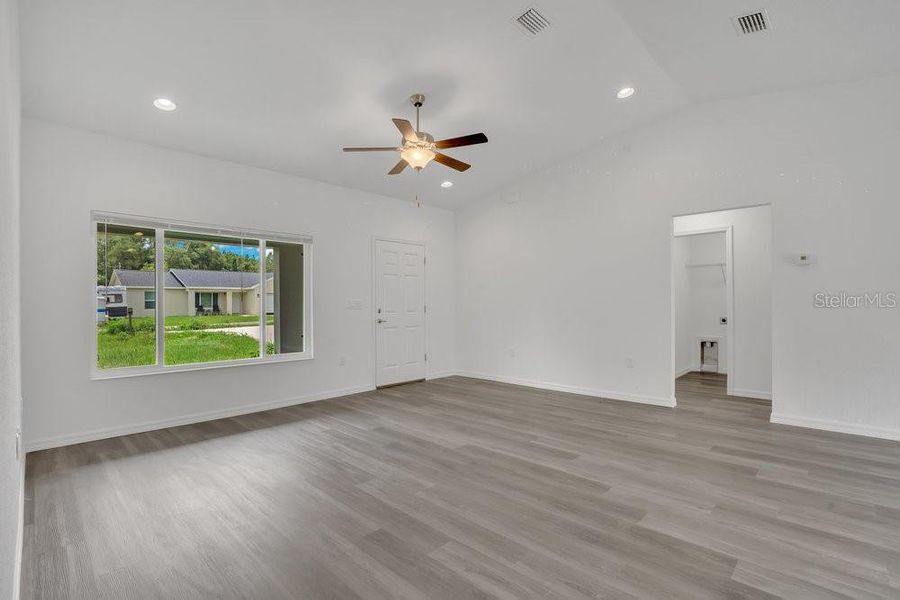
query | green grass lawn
[212, 321]
[125, 350]
[206, 346]
[185, 322]
[184, 345]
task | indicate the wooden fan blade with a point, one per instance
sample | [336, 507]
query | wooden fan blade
[406, 128]
[451, 162]
[398, 168]
[372, 149]
[466, 140]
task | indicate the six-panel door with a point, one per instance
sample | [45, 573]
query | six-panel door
[399, 312]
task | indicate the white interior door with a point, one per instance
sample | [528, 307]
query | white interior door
[399, 312]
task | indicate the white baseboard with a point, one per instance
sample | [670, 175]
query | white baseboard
[759, 395]
[698, 369]
[887, 433]
[109, 432]
[684, 371]
[559, 387]
[441, 374]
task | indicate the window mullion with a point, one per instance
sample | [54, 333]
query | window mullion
[263, 298]
[160, 298]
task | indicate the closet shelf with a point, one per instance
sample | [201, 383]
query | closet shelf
[716, 264]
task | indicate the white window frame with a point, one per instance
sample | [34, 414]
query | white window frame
[161, 226]
[145, 299]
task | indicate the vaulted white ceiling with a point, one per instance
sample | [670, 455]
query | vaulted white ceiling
[812, 42]
[284, 84]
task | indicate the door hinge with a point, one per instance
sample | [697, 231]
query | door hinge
[425, 308]
[424, 260]
[426, 357]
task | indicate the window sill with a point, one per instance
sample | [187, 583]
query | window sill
[120, 373]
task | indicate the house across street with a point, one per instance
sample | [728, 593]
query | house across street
[188, 292]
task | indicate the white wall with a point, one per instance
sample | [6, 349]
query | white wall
[67, 172]
[681, 307]
[699, 298]
[544, 265]
[752, 324]
[11, 469]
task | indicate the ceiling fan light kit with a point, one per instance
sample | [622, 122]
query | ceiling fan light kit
[417, 157]
[418, 148]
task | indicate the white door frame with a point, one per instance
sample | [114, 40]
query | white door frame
[729, 297]
[375, 240]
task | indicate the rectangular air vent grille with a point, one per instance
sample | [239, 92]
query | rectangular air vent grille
[533, 22]
[752, 23]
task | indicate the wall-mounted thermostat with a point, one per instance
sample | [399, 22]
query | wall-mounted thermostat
[803, 259]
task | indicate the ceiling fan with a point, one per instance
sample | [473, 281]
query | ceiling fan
[418, 148]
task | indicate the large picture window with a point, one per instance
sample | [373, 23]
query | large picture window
[172, 296]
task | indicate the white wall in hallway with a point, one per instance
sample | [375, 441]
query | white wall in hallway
[565, 276]
[752, 326]
[68, 172]
[11, 467]
[681, 302]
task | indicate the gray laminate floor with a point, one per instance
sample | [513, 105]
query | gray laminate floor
[458, 488]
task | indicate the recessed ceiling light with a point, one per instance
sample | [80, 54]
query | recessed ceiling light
[626, 92]
[164, 104]
[447, 184]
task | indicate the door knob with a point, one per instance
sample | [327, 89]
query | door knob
[380, 320]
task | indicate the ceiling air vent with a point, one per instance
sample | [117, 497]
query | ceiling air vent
[752, 23]
[532, 22]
